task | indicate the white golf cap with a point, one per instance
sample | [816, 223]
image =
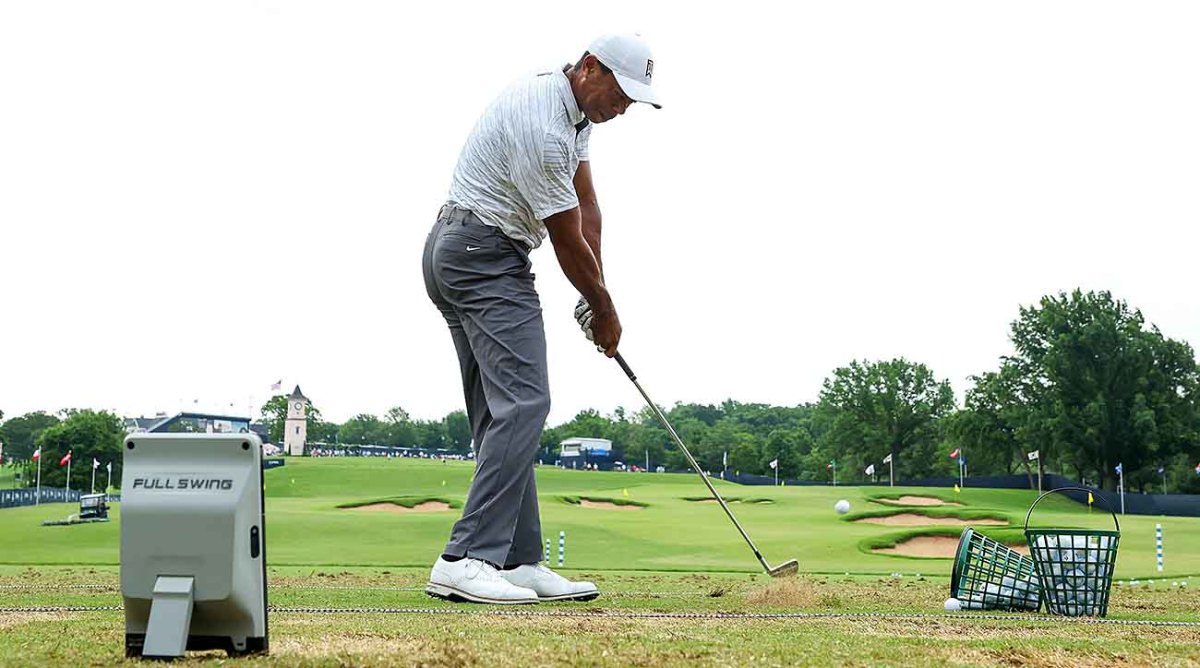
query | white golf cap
[628, 56]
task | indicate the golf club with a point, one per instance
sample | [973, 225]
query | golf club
[788, 567]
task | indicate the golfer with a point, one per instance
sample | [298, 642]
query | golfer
[522, 175]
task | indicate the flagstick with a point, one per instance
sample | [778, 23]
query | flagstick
[834, 473]
[68, 476]
[93, 480]
[38, 501]
[1122, 487]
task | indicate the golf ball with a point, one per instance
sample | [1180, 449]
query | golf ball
[953, 605]
[842, 507]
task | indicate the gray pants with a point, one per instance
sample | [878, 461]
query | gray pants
[481, 282]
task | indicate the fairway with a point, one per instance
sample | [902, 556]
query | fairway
[671, 531]
[656, 549]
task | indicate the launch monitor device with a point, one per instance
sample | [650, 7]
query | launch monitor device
[193, 549]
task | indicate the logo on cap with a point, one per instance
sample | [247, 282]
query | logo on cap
[649, 68]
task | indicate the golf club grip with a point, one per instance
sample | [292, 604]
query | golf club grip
[625, 367]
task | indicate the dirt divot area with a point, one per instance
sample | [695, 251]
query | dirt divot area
[917, 520]
[918, 501]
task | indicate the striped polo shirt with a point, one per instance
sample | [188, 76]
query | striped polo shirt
[518, 165]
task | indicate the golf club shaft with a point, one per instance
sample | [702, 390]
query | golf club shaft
[692, 460]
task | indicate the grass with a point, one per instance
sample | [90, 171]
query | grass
[601, 633]
[307, 528]
[673, 555]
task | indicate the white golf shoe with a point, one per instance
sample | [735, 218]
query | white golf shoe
[475, 581]
[548, 585]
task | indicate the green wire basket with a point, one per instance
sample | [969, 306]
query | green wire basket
[1074, 566]
[989, 575]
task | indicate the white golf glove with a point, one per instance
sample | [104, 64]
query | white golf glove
[583, 316]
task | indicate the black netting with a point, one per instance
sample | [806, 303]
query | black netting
[989, 575]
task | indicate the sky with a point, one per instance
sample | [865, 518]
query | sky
[200, 199]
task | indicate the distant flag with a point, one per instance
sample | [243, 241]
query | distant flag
[108, 467]
[95, 463]
[66, 459]
[1120, 469]
[774, 463]
[871, 470]
[1197, 469]
[956, 488]
[277, 385]
[37, 454]
[956, 452]
[1161, 469]
[725, 458]
[625, 492]
[1091, 499]
[829, 465]
[887, 460]
[1035, 455]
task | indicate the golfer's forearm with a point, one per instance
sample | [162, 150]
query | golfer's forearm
[580, 267]
[590, 218]
[577, 260]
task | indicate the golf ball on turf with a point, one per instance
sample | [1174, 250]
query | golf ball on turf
[953, 605]
[842, 507]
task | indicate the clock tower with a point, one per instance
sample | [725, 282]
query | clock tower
[295, 428]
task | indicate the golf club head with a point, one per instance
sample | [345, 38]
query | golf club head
[787, 568]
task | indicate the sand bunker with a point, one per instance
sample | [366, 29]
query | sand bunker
[942, 547]
[918, 501]
[424, 507]
[734, 500]
[915, 520]
[606, 504]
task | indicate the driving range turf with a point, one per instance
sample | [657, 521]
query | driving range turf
[668, 556]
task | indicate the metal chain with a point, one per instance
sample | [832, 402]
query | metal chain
[615, 614]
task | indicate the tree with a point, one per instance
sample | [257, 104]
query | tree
[363, 429]
[399, 430]
[648, 441]
[1105, 390]
[876, 408]
[725, 436]
[458, 432]
[323, 432]
[274, 415]
[86, 435]
[20, 434]
[993, 426]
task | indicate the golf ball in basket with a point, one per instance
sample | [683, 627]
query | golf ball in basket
[842, 507]
[953, 605]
